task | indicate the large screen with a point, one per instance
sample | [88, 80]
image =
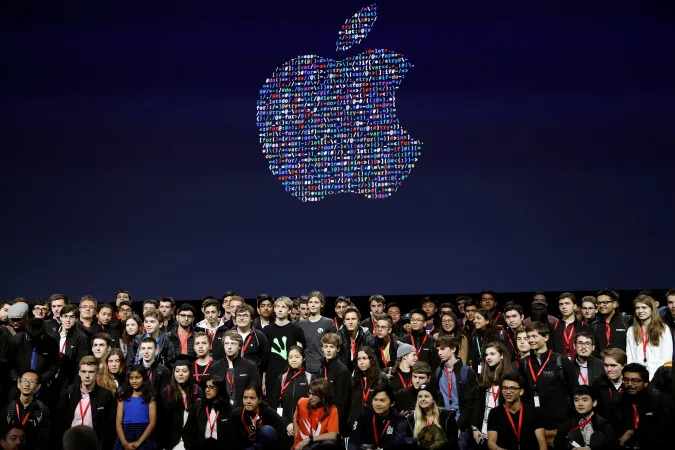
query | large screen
[188, 148]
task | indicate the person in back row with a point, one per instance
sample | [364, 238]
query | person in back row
[423, 343]
[376, 304]
[610, 330]
[564, 331]
[239, 372]
[648, 340]
[255, 347]
[353, 337]
[314, 328]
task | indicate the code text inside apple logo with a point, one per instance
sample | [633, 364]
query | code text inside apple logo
[329, 126]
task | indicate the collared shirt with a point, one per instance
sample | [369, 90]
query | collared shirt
[583, 373]
[84, 406]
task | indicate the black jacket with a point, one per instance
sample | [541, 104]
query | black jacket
[406, 399]
[102, 408]
[160, 376]
[216, 338]
[257, 349]
[467, 392]
[608, 398]
[618, 326]
[563, 342]
[47, 357]
[175, 341]
[427, 352]
[379, 349]
[195, 430]
[595, 366]
[654, 418]
[363, 339]
[268, 416]
[165, 350]
[447, 422]
[297, 388]
[77, 346]
[37, 425]
[400, 380]
[359, 405]
[170, 427]
[603, 437]
[243, 372]
[340, 380]
[394, 434]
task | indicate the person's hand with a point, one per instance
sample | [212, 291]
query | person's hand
[477, 436]
[626, 436]
[128, 446]
[289, 429]
[302, 444]
[136, 444]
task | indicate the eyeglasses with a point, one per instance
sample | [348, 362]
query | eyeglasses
[243, 316]
[125, 309]
[627, 380]
[186, 316]
[510, 388]
[588, 308]
[584, 344]
[87, 307]
[416, 320]
[210, 388]
[27, 381]
[68, 317]
[605, 302]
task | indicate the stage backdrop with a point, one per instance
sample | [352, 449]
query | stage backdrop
[519, 146]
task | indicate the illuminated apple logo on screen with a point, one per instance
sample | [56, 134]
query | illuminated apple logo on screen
[329, 126]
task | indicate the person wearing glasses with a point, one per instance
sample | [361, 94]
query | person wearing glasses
[182, 336]
[589, 310]
[88, 312]
[514, 424]
[564, 331]
[30, 412]
[385, 347]
[610, 330]
[41, 309]
[73, 346]
[588, 367]
[255, 346]
[121, 296]
[211, 422]
[423, 343]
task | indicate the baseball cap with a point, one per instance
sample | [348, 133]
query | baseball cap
[17, 310]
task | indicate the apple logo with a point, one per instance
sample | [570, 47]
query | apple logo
[329, 126]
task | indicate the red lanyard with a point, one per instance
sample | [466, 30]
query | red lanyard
[335, 321]
[581, 425]
[374, 326]
[636, 417]
[645, 341]
[418, 349]
[63, 348]
[212, 336]
[584, 380]
[365, 392]
[495, 396]
[541, 369]
[250, 429]
[448, 374]
[248, 340]
[18, 414]
[516, 431]
[611, 395]
[496, 319]
[206, 369]
[403, 383]
[183, 343]
[208, 419]
[508, 335]
[285, 385]
[230, 382]
[325, 373]
[83, 413]
[353, 347]
[384, 357]
[568, 337]
[608, 332]
[384, 429]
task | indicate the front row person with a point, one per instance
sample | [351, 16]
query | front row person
[256, 425]
[136, 413]
[433, 426]
[585, 430]
[515, 425]
[210, 425]
[31, 413]
[316, 417]
[381, 426]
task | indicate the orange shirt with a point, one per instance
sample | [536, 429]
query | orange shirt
[312, 424]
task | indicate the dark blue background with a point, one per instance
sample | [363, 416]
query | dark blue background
[131, 159]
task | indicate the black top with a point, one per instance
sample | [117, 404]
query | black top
[391, 430]
[506, 437]
[280, 338]
[267, 416]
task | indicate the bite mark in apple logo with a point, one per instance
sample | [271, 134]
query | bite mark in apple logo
[329, 126]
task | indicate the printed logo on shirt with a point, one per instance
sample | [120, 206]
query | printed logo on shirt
[243, 374]
[390, 430]
[319, 331]
[620, 329]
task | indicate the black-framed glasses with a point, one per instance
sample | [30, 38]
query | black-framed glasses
[186, 316]
[68, 317]
[628, 380]
[510, 388]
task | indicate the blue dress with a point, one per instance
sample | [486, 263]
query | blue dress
[136, 420]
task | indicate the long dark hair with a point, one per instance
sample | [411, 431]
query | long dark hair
[321, 388]
[456, 331]
[372, 374]
[189, 387]
[146, 390]
[489, 333]
[125, 337]
[222, 400]
[489, 376]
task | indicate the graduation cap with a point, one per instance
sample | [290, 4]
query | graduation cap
[181, 360]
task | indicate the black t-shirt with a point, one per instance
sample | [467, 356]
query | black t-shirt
[506, 437]
[280, 339]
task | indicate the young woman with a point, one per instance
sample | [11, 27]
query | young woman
[449, 327]
[290, 387]
[648, 341]
[431, 426]
[105, 379]
[178, 400]
[256, 425]
[316, 417]
[484, 332]
[366, 376]
[401, 374]
[136, 413]
[132, 327]
[211, 424]
[496, 362]
[117, 367]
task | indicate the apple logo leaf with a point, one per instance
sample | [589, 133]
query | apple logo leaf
[357, 27]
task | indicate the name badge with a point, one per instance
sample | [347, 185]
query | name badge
[536, 401]
[280, 411]
[480, 367]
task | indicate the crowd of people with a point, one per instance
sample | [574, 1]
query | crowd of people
[471, 373]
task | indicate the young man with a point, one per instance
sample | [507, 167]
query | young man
[539, 298]
[458, 385]
[669, 315]
[406, 398]
[265, 304]
[159, 374]
[423, 343]
[585, 430]
[610, 329]
[4, 311]
[88, 308]
[564, 331]
[381, 427]
[488, 301]
[644, 412]
[609, 386]
[182, 336]
[227, 315]
[549, 379]
[89, 404]
[429, 307]
[202, 351]
[515, 425]
[338, 376]
[73, 346]
[352, 337]
[303, 307]
[104, 322]
[100, 346]
[57, 302]
[239, 372]
[17, 315]
[341, 303]
[213, 326]
[523, 346]
[30, 412]
[281, 335]
[255, 347]
[12, 437]
[470, 308]
[588, 367]
[460, 303]
[314, 327]
[167, 306]
[513, 317]
[394, 311]
[402, 378]
[376, 305]
[152, 323]
[589, 309]
[41, 309]
[294, 315]
[124, 311]
[385, 346]
[36, 350]
[235, 302]
[148, 305]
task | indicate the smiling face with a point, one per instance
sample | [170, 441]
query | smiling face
[511, 391]
[136, 380]
[448, 323]
[151, 325]
[244, 320]
[363, 361]
[181, 374]
[295, 359]
[606, 305]
[493, 357]
[351, 322]
[479, 322]
[536, 340]
[68, 321]
[202, 346]
[381, 403]
[633, 382]
[40, 311]
[147, 350]
[425, 399]
[132, 327]
[114, 364]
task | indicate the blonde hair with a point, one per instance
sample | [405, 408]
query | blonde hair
[284, 301]
[421, 418]
[656, 326]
